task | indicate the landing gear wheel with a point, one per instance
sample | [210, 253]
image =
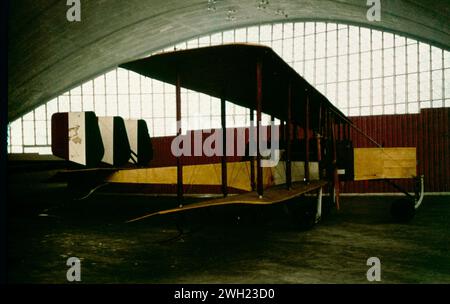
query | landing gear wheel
[303, 213]
[327, 206]
[403, 210]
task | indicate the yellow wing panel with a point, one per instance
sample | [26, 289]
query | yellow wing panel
[238, 175]
[377, 163]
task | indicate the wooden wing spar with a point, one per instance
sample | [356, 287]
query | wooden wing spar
[229, 72]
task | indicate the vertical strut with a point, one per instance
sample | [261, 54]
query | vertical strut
[178, 115]
[224, 147]
[258, 123]
[306, 131]
[289, 138]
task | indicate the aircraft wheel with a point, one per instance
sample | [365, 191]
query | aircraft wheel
[327, 206]
[303, 212]
[403, 210]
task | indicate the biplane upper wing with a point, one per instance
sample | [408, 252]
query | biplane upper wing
[228, 72]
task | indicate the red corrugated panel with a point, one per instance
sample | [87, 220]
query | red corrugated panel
[428, 131]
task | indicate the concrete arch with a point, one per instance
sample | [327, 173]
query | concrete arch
[49, 55]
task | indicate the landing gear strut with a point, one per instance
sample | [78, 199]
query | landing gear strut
[403, 210]
[308, 212]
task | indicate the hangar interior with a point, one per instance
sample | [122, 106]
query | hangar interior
[390, 77]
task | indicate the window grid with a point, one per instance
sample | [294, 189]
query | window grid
[312, 47]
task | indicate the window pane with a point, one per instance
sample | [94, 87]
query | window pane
[400, 89]
[87, 88]
[424, 60]
[331, 44]
[331, 70]
[122, 81]
[320, 45]
[389, 90]
[412, 58]
[76, 91]
[52, 107]
[309, 28]
[309, 47]
[343, 41]
[63, 104]
[377, 64]
[320, 27]
[365, 92]
[288, 50]
[446, 59]
[388, 60]
[135, 106]
[124, 106]
[41, 133]
[436, 54]
[400, 60]
[354, 40]
[343, 68]
[447, 83]
[99, 84]
[88, 103]
[320, 71]
[354, 94]
[437, 84]
[424, 86]
[298, 48]
[16, 132]
[288, 30]
[376, 40]
[342, 95]
[377, 92]
[277, 31]
[111, 105]
[354, 67]
[265, 33]
[388, 40]
[39, 113]
[298, 28]
[252, 35]
[147, 110]
[365, 65]
[399, 40]
[111, 84]
[135, 83]
[331, 93]
[28, 133]
[309, 71]
[75, 103]
[388, 109]
[413, 108]
[365, 40]
[412, 87]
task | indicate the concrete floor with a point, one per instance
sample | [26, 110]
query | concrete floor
[261, 246]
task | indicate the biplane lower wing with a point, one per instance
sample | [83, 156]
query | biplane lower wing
[273, 195]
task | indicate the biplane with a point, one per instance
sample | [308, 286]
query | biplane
[310, 152]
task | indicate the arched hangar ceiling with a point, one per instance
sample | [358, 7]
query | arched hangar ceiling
[48, 55]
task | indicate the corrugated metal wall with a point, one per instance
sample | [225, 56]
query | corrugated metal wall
[428, 131]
